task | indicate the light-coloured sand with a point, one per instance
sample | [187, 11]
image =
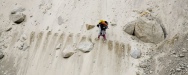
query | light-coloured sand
[51, 22]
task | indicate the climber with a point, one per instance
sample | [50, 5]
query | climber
[103, 25]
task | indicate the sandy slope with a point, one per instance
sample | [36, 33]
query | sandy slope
[43, 34]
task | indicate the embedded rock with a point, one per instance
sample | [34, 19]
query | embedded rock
[146, 31]
[89, 27]
[135, 53]
[68, 52]
[17, 17]
[85, 46]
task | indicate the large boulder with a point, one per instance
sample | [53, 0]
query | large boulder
[147, 31]
[85, 47]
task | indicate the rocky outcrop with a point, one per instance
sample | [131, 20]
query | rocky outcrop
[147, 31]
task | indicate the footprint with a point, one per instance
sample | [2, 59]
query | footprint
[122, 48]
[77, 38]
[61, 38]
[37, 44]
[117, 50]
[50, 48]
[69, 41]
[39, 39]
[46, 40]
[52, 41]
[110, 45]
[32, 36]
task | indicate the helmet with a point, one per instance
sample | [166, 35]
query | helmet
[101, 21]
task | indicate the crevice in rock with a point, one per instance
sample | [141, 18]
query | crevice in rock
[162, 27]
[134, 31]
[164, 30]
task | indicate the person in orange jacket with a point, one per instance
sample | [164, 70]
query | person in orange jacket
[103, 25]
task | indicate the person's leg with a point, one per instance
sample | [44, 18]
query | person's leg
[103, 34]
[100, 32]
[98, 36]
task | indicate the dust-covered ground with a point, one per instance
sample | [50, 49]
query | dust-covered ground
[59, 37]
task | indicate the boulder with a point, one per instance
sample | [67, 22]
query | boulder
[146, 31]
[149, 32]
[58, 46]
[89, 27]
[1, 55]
[135, 53]
[17, 17]
[68, 52]
[85, 46]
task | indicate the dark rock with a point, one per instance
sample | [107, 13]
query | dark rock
[181, 55]
[9, 29]
[17, 17]
[1, 55]
[89, 27]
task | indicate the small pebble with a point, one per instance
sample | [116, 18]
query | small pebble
[178, 69]
[181, 55]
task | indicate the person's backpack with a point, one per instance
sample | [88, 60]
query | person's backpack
[106, 22]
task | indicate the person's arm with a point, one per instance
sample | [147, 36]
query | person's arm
[98, 25]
